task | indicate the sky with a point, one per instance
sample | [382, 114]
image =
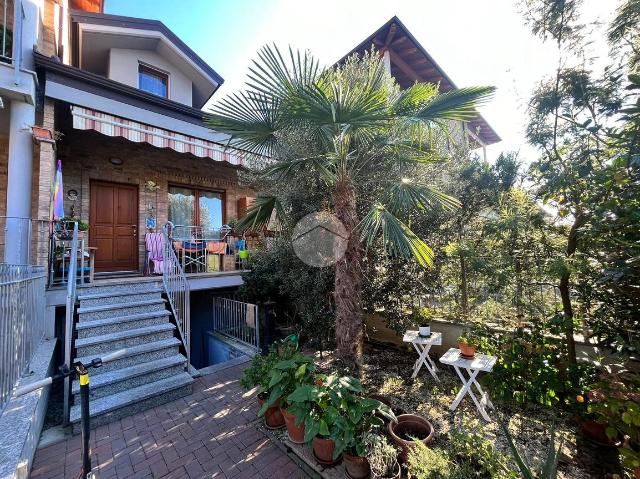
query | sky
[476, 42]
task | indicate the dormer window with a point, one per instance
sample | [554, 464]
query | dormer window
[153, 80]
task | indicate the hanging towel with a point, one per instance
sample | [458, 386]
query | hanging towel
[154, 243]
[216, 247]
[251, 317]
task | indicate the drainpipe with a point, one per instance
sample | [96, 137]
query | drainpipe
[26, 24]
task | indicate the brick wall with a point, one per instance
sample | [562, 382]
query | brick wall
[85, 156]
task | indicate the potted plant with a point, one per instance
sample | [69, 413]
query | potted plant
[285, 377]
[468, 342]
[258, 375]
[383, 459]
[614, 404]
[354, 431]
[410, 428]
[64, 226]
[422, 319]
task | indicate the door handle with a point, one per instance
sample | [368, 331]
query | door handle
[135, 230]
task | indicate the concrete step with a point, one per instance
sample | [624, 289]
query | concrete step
[119, 297]
[127, 378]
[110, 408]
[91, 313]
[97, 345]
[120, 291]
[101, 288]
[114, 324]
[136, 354]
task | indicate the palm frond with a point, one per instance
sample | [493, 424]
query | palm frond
[459, 104]
[249, 118]
[274, 77]
[412, 99]
[408, 195]
[286, 170]
[259, 214]
[397, 238]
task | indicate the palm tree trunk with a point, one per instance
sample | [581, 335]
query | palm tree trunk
[348, 280]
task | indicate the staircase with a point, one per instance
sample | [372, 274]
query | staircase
[152, 372]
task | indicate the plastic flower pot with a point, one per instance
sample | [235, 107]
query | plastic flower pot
[357, 467]
[273, 418]
[408, 428]
[323, 448]
[466, 350]
[295, 431]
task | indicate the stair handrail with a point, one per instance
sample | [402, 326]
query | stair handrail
[70, 309]
[176, 288]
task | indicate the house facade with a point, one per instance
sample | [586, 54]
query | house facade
[115, 103]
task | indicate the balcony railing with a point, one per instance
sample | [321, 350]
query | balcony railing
[22, 321]
[202, 250]
[6, 40]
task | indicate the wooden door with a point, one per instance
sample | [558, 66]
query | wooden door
[113, 221]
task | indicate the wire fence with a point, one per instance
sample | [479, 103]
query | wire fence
[22, 321]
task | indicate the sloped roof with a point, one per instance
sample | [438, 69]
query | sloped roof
[410, 62]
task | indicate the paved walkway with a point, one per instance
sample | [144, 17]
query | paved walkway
[211, 433]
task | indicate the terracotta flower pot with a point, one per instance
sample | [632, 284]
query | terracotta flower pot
[273, 418]
[323, 450]
[467, 350]
[410, 426]
[295, 431]
[596, 432]
[357, 467]
[636, 473]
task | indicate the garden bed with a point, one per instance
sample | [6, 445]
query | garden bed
[388, 371]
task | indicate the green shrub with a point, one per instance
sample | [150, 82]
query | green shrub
[428, 463]
[472, 452]
[531, 368]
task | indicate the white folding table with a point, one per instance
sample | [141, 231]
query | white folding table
[480, 362]
[422, 345]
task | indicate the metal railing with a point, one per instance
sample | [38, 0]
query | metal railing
[7, 30]
[15, 240]
[176, 288]
[237, 320]
[22, 321]
[201, 250]
[69, 318]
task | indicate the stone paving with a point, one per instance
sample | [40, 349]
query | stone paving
[211, 433]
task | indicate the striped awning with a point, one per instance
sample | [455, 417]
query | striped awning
[111, 125]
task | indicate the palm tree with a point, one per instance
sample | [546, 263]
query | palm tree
[353, 128]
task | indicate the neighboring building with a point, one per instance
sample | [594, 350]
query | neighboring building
[409, 63]
[117, 101]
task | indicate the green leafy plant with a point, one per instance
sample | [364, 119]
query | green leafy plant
[472, 452]
[531, 367]
[615, 402]
[82, 226]
[422, 316]
[333, 407]
[285, 376]
[470, 338]
[383, 458]
[548, 470]
[259, 373]
[428, 463]
[260, 370]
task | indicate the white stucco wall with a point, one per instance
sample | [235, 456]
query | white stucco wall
[123, 68]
